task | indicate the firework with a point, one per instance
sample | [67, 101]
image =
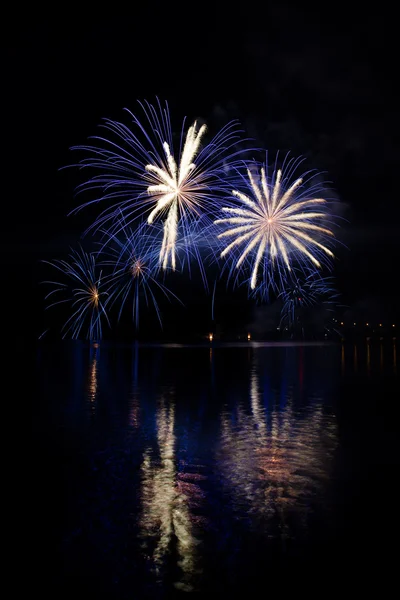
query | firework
[83, 290]
[278, 222]
[135, 271]
[143, 172]
[304, 292]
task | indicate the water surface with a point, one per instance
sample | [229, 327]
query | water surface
[166, 470]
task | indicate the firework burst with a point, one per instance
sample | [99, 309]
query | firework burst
[135, 271]
[304, 292]
[278, 222]
[145, 172]
[83, 289]
[176, 190]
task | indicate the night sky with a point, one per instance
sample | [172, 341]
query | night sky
[321, 85]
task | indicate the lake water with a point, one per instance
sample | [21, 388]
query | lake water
[162, 471]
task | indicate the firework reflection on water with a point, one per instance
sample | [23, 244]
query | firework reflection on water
[167, 524]
[273, 461]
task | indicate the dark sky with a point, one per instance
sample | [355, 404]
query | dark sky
[321, 84]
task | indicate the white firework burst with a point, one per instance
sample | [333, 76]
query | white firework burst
[279, 223]
[176, 188]
[143, 171]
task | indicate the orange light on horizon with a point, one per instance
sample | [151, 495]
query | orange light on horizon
[210, 337]
[248, 337]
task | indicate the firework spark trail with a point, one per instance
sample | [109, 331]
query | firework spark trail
[84, 291]
[143, 176]
[135, 270]
[276, 219]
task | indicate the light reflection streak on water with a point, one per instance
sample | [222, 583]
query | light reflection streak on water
[167, 496]
[373, 358]
[272, 464]
[134, 408]
[343, 360]
[212, 367]
[92, 380]
[134, 412]
[135, 365]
